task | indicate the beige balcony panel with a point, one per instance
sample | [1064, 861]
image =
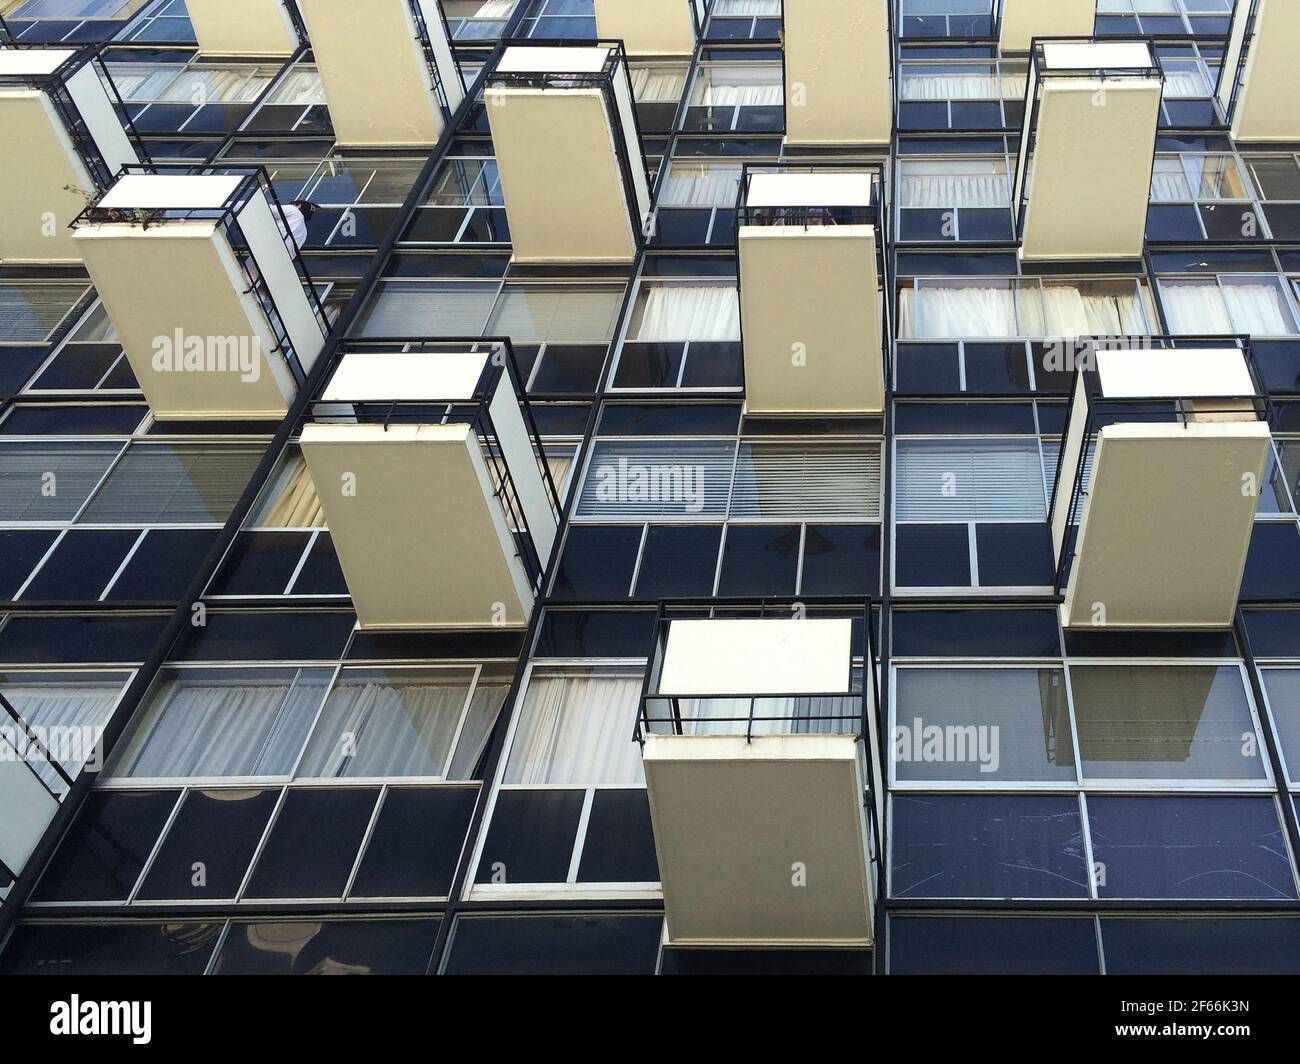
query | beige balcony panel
[375, 71]
[243, 27]
[45, 184]
[198, 340]
[651, 27]
[1166, 525]
[1023, 20]
[837, 72]
[736, 819]
[423, 541]
[1082, 204]
[1265, 109]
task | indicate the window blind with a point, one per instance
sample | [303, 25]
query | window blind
[972, 480]
[50, 481]
[807, 481]
[174, 484]
[429, 309]
[30, 312]
[658, 478]
[536, 313]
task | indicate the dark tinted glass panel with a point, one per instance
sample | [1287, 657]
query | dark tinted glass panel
[1201, 946]
[987, 223]
[110, 949]
[90, 420]
[81, 566]
[976, 633]
[569, 370]
[17, 364]
[1273, 564]
[996, 369]
[597, 563]
[714, 365]
[64, 640]
[101, 856]
[579, 633]
[555, 945]
[1189, 848]
[678, 562]
[932, 556]
[261, 563]
[987, 847]
[841, 560]
[19, 553]
[417, 841]
[268, 636]
[313, 844]
[928, 369]
[760, 560]
[321, 573]
[77, 367]
[1014, 555]
[163, 566]
[209, 845]
[375, 947]
[1173, 221]
[649, 365]
[620, 844]
[924, 945]
[531, 838]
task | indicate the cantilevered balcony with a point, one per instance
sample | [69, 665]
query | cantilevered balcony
[1258, 75]
[1159, 475]
[389, 72]
[427, 467]
[652, 27]
[247, 28]
[837, 72]
[65, 133]
[809, 244]
[1020, 21]
[567, 145]
[216, 313]
[760, 750]
[1083, 181]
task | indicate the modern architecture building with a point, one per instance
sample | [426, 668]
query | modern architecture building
[721, 486]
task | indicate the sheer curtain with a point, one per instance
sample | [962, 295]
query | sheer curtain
[1071, 311]
[209, 85]
[302, 86]
[964, 310]
[736, 87]
[210, 723]
[753, 8]
[577, 729]
[689, 312]
[657, 85]
[291, 500]
[829, 715]
[1258, 307]
[949, 85]
[953, 183]
[391, 723]
[947, 310]
[54, 702]
[1195, 307]
[701, 185]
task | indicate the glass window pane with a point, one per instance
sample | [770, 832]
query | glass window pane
[175, 484]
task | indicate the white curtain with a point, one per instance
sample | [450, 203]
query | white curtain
[701, 185]
[765, 8]
[302, 86]
[953, 184]
[717, 92]
[1071, 311]
[689, 312]
[495, 9]
[1169, 181]
[1258, 308]
[380, 723]
[201, 723]
[656, 85]
[964, 310]
[1195, 307]
[994, 309]
[953, 86]
[772, 716]
[48, 704]
[577, 730]
[209, 85]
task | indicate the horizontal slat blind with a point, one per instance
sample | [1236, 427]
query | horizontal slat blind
[29, 312]
[50, 481]
[974, 480]
[658, 478]
[174, 484]
[1052, 457]
[429, 309]
[536, 313]
[808, 481]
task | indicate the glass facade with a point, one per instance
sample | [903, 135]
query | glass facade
[270, 787]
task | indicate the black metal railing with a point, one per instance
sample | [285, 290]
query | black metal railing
[55, 86]
[806, 214]
[225, 215]
[425, 42]
[1087, 401]
[501, 369]
[34, 744]
[615, 66]
[1235, 73]
[1038, 71]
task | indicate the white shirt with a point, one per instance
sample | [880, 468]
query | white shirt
[297, 234]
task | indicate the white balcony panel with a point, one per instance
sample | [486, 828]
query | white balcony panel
[1166, 525]
[809, 302]
[768, 656]
[736, 821]
[561, 154]
[837, 72]
[1023, 20]
[198, 340]
[376, 73]
[46, 184]
[28, 808]
[243, 27]
[1080, 205]
[1265, 90]
[651, 27]
[423, 541]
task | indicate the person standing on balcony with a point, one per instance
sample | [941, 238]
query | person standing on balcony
[296, 215]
